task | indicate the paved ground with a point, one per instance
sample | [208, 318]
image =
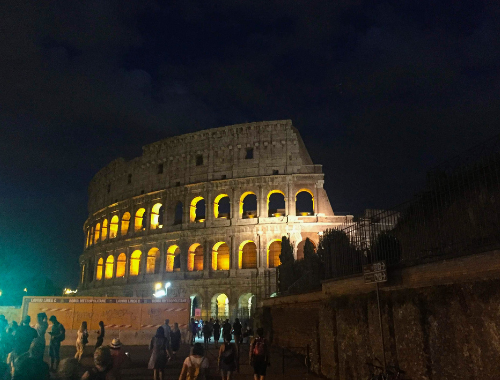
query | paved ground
[294, 365]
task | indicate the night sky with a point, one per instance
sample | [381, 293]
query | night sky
[380, 91]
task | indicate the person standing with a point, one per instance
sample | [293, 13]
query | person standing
[259, 355]
[207, 334]
[196, 366]
[57, 335]
[237, 327]
[228, 355]
[41, 327]
[216, 333]
[119, 358]
[167, 330]
[193, 326]
[82, 338]
[100, 337]
[158, 359]
[25, 334]
[175, 339]
[226, 329]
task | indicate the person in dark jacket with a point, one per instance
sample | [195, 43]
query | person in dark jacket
[175, 339]
[100, 337]
[158, 359]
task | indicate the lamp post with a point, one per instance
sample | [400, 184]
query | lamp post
[167, 285]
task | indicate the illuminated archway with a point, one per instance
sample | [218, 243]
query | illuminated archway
[97, 232]
[91, 241]
[113, 227]
[104, 232]
[273, 253]
[173, 259]
[246, 305]
[304, 202]
[220, 306]
[196, 303]
[139, 223]
[276, 203]
[195, 258]
[125, 223]
[153, 261]
[121, 264]
[248, 205]
[220, 256]
[300, 248]
[98, 275]
[135, 262]
[108, 271]
[155, 217]
[197, 210]
[222, 207]
[247, 255]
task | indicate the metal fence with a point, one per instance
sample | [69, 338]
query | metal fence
[458, 214]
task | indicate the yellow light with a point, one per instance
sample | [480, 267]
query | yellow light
[158, 285]
[0, 293]
[25, 289]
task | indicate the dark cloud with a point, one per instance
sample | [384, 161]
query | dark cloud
[380, 91]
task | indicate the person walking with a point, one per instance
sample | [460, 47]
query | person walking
[259, 355]
[120, 358]
[237, 327]
[226, 329]
[100, 337]
[82, 338]
[57, 335]
[167, 330]
[193, 326]
[103, 362]
[207, 334]
[196, 366]
[228, 355]
[175, 339]
[158, 359]
[216, 333]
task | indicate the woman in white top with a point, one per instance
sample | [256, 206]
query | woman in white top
[82, 338]
[196, 363]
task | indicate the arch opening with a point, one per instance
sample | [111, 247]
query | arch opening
[121, 264]
[155, 217]
[113, 227]
[197, 210]
[276, 203]
[104, 232]
[173, 259]
[139, 223]
[108, 271]
[220, 256]
[98, 275]
[304, 202]
[273, 254]
[222, 206]
[300, 248]
[135, 262]
[178, 213]
[125, 223]
[153, 261]
[246, 306]
[220, 306]
[248, 205]
[247, 255]
[195, 258]
[97, 232]
[196, 306]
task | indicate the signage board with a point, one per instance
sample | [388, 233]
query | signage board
[375, 272]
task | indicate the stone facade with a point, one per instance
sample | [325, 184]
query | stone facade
[158, 218]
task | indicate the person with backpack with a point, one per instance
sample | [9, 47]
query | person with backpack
[196, 365]
[259, 355]
[82, 338]
[228, 358]
[57, 335]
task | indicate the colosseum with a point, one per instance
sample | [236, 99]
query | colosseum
[205, 213]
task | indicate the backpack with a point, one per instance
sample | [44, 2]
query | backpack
[259, 347]
[194, 370]
[63, 333]
[228, 355]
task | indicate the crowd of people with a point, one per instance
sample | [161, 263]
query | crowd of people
[22, 349]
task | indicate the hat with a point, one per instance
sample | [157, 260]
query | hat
[115, 343]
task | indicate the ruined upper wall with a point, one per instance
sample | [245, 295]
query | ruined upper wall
[275, 147]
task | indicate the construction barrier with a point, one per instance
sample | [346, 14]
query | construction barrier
[133, 318]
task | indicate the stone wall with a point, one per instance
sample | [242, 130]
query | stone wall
[444, 331]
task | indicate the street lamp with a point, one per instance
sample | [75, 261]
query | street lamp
[167, 285]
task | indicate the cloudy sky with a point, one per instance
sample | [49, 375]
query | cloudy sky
[381, 91]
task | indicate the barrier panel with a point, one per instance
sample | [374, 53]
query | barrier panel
[135, 318]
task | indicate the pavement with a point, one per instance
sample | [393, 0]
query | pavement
[294, 365]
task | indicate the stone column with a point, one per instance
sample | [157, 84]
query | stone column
[292, 210]
[259, 249]
[317, 191]
[209, 207]
[262, 251]
[234, 205]
[163, 258]
[184, 247]
[127, 262]
[207, 258]
[115, 261]
[233, 256]
[142, 267]
[186, 210]
[261, 203]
